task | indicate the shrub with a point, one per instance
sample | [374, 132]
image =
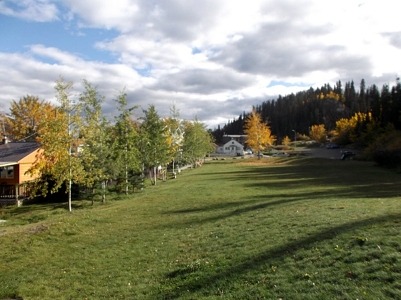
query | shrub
[386, 148]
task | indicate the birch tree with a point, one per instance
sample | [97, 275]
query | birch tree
[125, 155]
[154, 143]
[58, 137]
[198, 142]
[94, 149]
[175, 136]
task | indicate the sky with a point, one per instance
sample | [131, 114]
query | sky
[210, 59]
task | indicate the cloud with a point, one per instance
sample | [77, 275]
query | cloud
[283, 49]
[30, 10]
[201, 81]
[116, 14]
[26, 74]
[394, 37]
[178, 20]
[141, 53]
[212, 59]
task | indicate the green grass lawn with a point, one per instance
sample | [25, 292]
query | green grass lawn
[289, 228]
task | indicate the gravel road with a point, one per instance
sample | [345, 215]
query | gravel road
[325, 153]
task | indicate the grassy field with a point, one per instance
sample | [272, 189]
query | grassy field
[286, 228]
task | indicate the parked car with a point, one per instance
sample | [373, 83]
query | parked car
[280, 154]
[347, 155]
[248, 152]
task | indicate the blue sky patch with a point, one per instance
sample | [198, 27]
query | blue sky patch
[17, 35]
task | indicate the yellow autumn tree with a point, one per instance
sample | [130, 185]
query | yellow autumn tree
[318, 133]
[27, 116]
[58, 135]
[286, 142]
[330, 95]
[346, 129]
[258, 133]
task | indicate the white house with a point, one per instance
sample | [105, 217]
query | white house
[231, 148]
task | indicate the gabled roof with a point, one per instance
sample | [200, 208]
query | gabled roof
[233, 142]
[12, 153]
[235, 135]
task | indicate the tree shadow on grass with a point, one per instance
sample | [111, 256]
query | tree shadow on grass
[347, 178]
[306, 180]
[37, 212]
[203, 282]
[342, 179]
[234, 209]
[335, 179]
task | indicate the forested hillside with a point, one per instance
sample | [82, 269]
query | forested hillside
[327, 105]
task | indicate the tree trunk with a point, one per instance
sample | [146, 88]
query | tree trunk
[104, 191]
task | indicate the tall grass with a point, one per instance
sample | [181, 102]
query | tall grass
[234, 229]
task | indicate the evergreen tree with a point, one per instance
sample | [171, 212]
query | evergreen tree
[350, 98]
[386, 106]
[373, 98]
[363, 104]
[396, 105]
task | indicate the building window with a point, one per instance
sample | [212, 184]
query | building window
[7, 172]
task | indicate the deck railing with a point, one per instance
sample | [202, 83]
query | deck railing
[14, 194]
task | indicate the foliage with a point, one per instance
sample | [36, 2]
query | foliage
[125, 153]
[154, 142]
[329, 95]
[326, 105]
[175, 136]
[259, 136]
[198, 142]
[81, 148]
[286, 141]
[26, 118]
[386, 148]
[318, 133]
[58, 137]
[348, 130]
[5, 126]
[95, 150]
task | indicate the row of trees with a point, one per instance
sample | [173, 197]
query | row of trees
[81, 146]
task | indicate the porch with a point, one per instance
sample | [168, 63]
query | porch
[13, 194]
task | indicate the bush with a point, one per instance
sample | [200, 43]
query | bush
[387, 158]
[386, 148]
